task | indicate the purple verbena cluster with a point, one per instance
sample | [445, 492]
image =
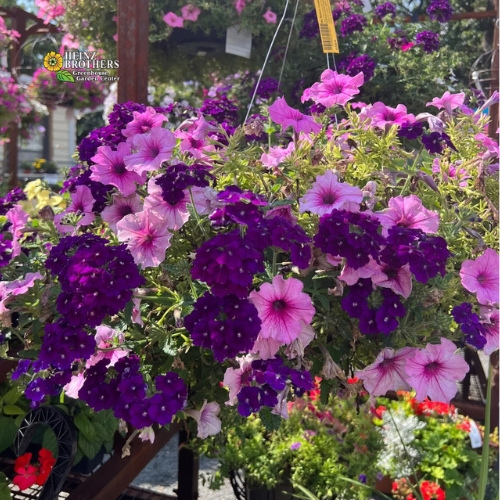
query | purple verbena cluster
[5, 250]
[10, 199]
[310, 26]
[428, 40]
[351, 235]
[267, 88]
[221, 110]
[227, 325]
[398, 41]
[126, 393]
[180, 177]
[353, 23]
[264, 382]
[227, 263]
[353, 64]
[385, 9]
[440, 10]
[470, 325]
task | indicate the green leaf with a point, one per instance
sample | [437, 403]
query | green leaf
[50, 442]
[4, 487]
[269, 420]
[12, 396]
[8, 434]
[89, 448]
[13, 410]
[84, 425]
[65, 76]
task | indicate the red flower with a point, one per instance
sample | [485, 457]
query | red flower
[353, 380]
[464, 426]
[27, 475]
[427, 407]
[379, 411]
[432, 491]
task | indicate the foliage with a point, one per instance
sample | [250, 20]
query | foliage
[314, 448]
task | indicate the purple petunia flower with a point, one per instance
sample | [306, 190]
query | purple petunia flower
[435, 142]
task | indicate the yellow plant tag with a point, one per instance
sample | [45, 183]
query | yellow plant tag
[326, 27]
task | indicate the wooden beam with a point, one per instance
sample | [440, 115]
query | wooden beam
[132, 52]
[112, 478]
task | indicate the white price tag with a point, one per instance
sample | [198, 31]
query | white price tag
[238, 42]
[475, 435]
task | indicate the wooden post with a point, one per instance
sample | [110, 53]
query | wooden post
[187, 474]
[132, 53]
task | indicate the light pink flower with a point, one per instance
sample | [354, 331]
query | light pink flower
[122, 206]
[270, 16]
[82, 203]
[408, 212]
[147, 434]
[435, 371]
[283, 309]
[387, 372]
[21, 285]
[235, 378]
[106, 338]
[334, 89]
[136, 311]
[110, 169]
[491, 322]
[277, 155]
[351, 276]
[266, 348]
[398, 280]
[147, 237]
[209, 423]
[173, 216]
[449, 102]
[239, 6]
[284, 211]
[297, 347]
[18, 219]
[327, 194]
[153, 149]
[190, 12]
[173, 20]
[382, 115]
[143, 122]
[480, 276]
[193, 133]
[282, 114]
[72, 388]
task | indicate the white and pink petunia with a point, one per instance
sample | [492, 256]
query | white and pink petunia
[489, 317]
[448, 102]
[147, 237]
[480, 276]
[144, 122]
[82, 203]
[283, 308]
[434, 371]
[209, 423]
[121, 207]
[327, 194]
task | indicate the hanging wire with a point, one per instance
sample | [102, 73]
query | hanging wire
[265, 60]
[288, 42]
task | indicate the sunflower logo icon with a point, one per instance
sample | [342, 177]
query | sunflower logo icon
[53, 61]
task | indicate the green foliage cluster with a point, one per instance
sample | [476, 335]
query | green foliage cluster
[316, 447]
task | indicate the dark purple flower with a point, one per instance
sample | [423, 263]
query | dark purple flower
[267, 88]
[310, 26]
[411, 130]
[470, 325]
[440, 10]
[385, 9]
[220, 109]
[355, 22]
[249, 401]
[433, 142]
[5, 250]
[10, 199]
[428, 40]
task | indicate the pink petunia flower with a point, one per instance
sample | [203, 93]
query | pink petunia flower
[270, 16]
[18, 219]
[144, 122]
[173, 216]
[110, 169]
[136, 311]
[206, 417]
[408, 212]
[489, 317]
[334, 89]
[147, 237]
[480, 276]
[173, 20]
[277, 155]
[236, 378]
[399, 281]
[122, 206]
[82, 203]
[283, 309]
[327, 194]
[449, 102]
[282, 114]
[382, 115]
[22, 285]
[387, 372]
[240, 5]
[351, 276]
[407, 46]
[266, 348]
[153, 149]
[190, 12]
[434, 371]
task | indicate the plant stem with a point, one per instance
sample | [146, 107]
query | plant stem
[483, 475]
